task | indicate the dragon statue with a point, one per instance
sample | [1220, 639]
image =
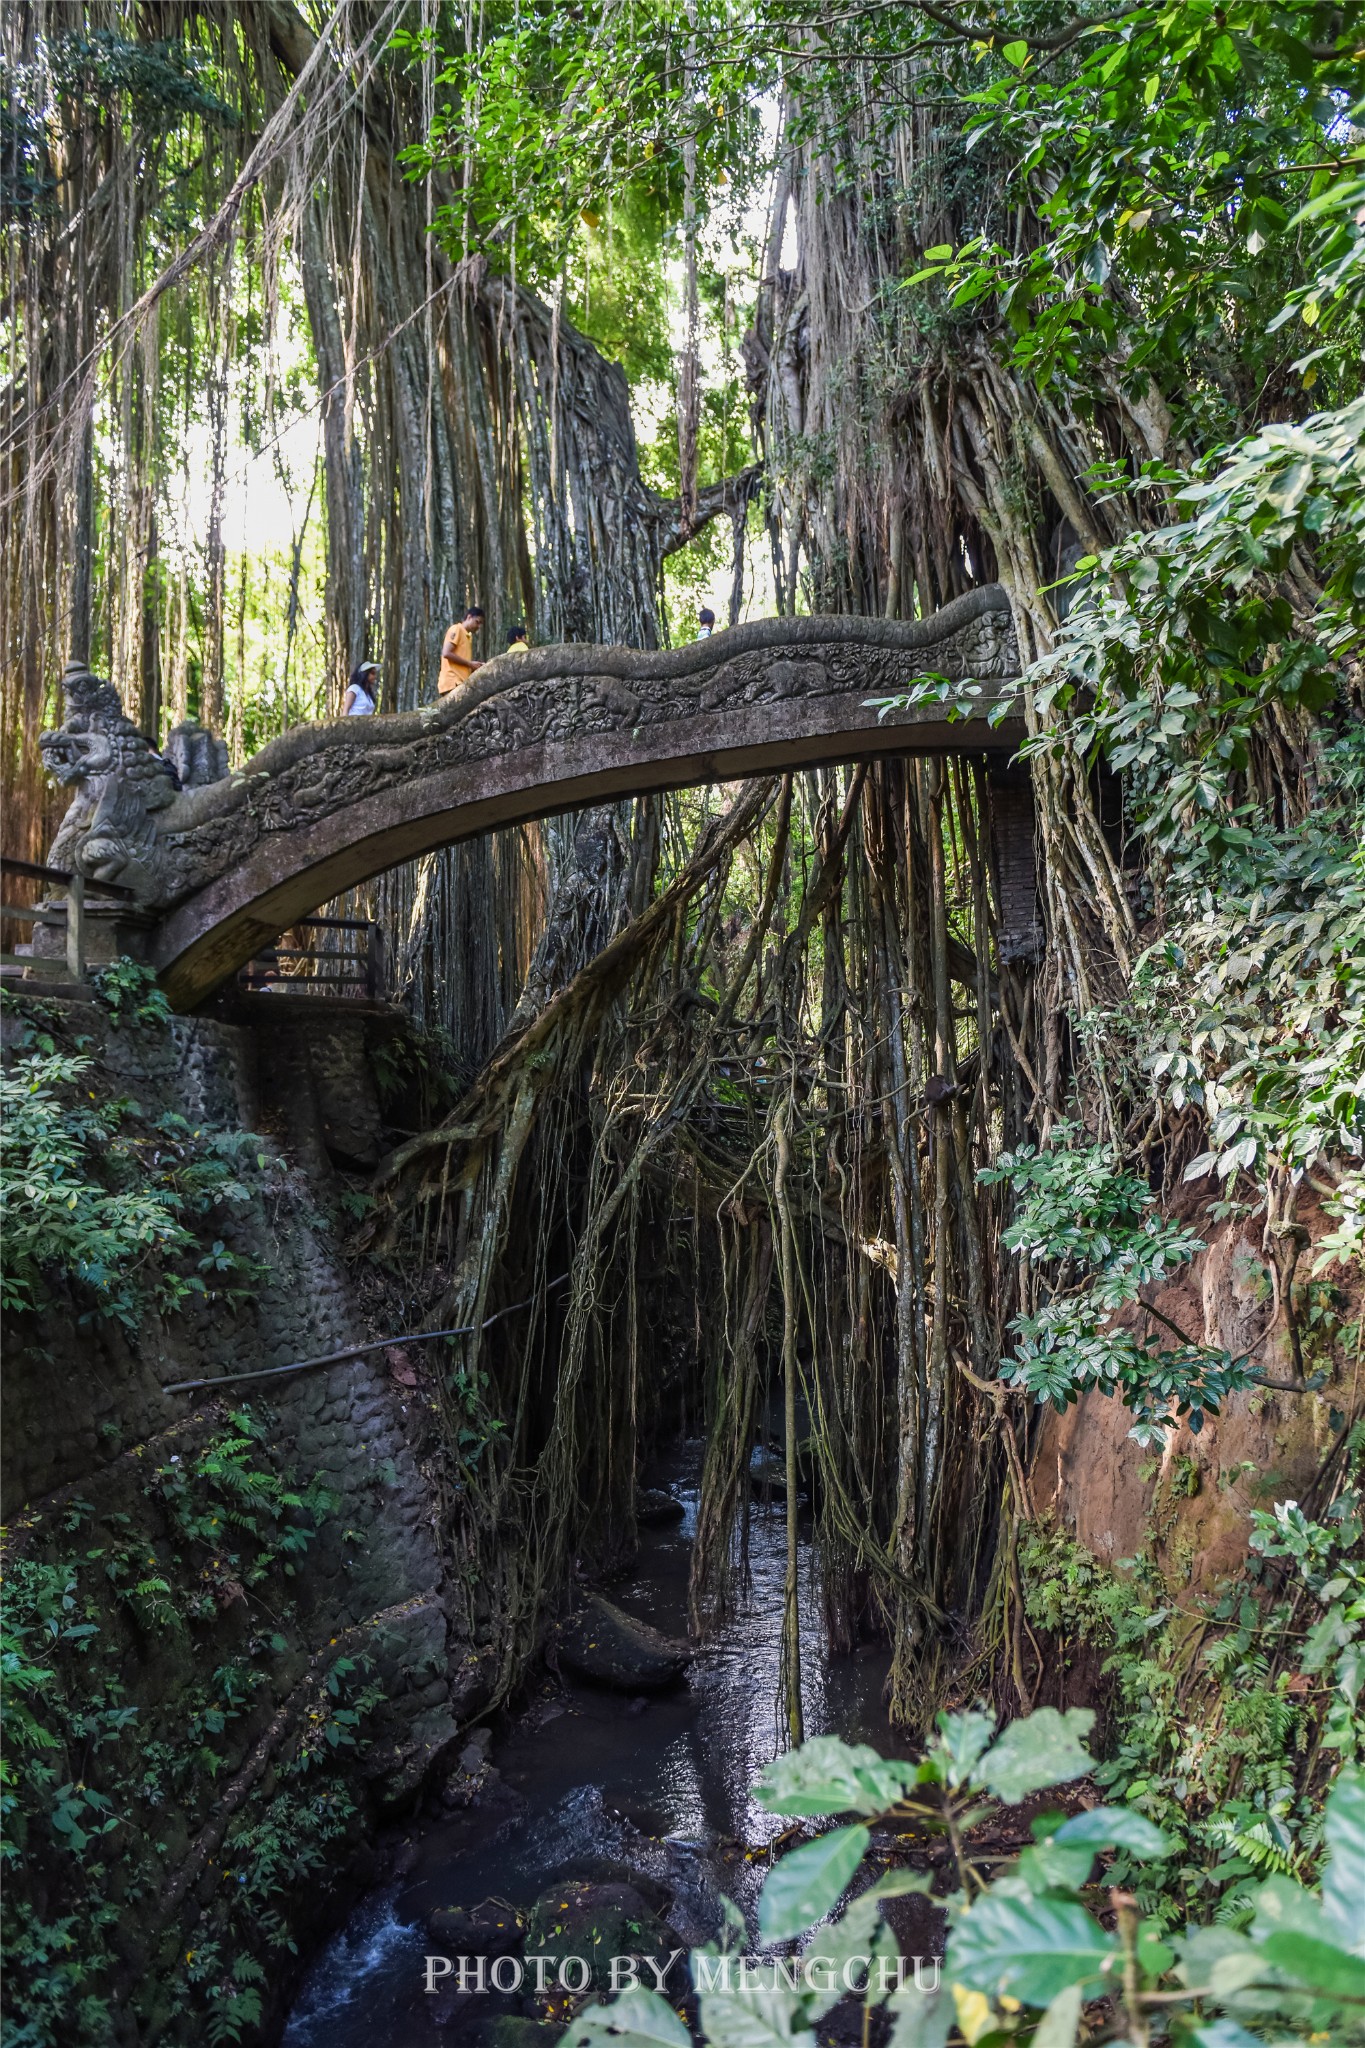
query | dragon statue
[120, 782]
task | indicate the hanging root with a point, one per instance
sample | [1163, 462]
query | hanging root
[761, 1088]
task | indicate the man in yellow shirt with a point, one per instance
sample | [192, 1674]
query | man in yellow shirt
[457, 652]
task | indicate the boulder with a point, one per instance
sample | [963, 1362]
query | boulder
[515, 2030]
[597, 1921]
[610, 1870]
[492, 1928]
[655, 1509]
[768, 1472]
[613, 1648]
[398, 1767]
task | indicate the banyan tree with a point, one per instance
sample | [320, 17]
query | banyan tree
[727, 1066]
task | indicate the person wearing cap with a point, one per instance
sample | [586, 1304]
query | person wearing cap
[706, 622]
[457, 652]
[359, 701]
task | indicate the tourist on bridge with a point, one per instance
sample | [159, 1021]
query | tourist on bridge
[360, 700]
[517, 642]
[457, 652]
[706, 622]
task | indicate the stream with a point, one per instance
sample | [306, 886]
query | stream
[586, 1779]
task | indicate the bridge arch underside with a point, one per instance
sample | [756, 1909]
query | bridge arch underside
[292, 871]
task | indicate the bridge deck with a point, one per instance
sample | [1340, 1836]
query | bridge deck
[327, 807]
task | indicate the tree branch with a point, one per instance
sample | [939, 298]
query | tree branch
[713, 500]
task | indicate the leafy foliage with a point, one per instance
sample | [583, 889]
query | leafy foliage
[95, 1197]
[1256, 1012]
[225, 1501]
[565, 116]
[1198, 629]
[1212, 660]
[1328, 1559]
[1032, 1938]
[129, 991]
[84, 1782]
[1097, 1226]
[1229, 1713]
[1162, 149]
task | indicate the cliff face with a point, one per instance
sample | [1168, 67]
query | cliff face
[1190, 1502]
[230, 1601]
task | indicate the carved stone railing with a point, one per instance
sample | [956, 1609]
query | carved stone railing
[225, 868]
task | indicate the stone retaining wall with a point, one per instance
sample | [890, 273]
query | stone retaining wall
[87, 1426]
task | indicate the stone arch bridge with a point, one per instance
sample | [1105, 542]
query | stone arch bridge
[218, 871]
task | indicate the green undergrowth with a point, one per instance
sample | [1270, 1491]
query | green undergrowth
[1230, 1714]
[102, 1805]
[1045, 1947]
[110, 1208]
[417, 1072]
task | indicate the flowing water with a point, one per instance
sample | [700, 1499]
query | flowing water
[593, 1778]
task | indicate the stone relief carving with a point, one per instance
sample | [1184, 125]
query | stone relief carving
[127, 823]
[120, 784]
[198, 757]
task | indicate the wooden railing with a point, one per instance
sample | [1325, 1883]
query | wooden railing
[362, 967]
[70, 914]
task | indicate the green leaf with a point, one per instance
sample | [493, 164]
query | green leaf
[1029, 1949]
[829, 1776]
[921, 2019]
[1059, 2024]
[963, 1740]
[1234, 1971]
[1285, 1907]
[1015, 54]
[1216, 1955]
[1048, 1866]
[1343, 1879]
[1115, 1827]
[1155, 1955]
[858, 1932]
[1045, 1748]
[757, 2018]
[1320, 1965]
[807, 1884]
[637, 2019]
[897, 1884]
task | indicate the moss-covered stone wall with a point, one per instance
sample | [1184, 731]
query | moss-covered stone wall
[234, 1650]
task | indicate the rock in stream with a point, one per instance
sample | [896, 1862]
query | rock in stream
[612, 1648]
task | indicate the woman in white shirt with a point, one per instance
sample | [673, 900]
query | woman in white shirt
[359, 701]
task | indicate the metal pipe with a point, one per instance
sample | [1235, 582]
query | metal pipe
[271, 1372]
